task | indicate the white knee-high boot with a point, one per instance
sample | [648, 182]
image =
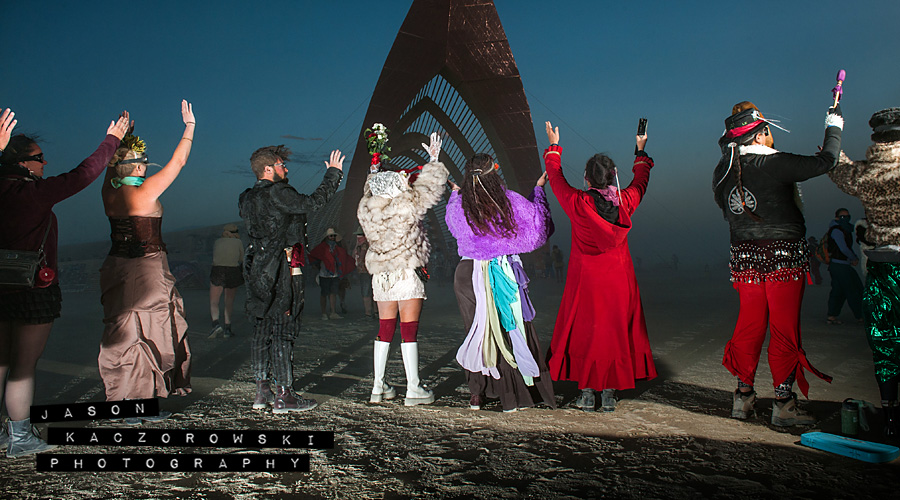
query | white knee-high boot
[380, 390]
[415, 394]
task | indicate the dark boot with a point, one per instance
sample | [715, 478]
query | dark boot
[891, 416]
[608, 400]
[286, 401]
[264, 395]
[586, 401]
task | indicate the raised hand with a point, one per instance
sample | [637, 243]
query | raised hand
[187, 113]
[121, 126]
[541, 180]
[336, 160]
[552, 134]
[433, 149]
[640, 141]
[453, 186]
[7, 124]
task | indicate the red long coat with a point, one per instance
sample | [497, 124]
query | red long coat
[600, 338]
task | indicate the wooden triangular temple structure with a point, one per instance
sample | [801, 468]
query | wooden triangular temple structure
[450, 71]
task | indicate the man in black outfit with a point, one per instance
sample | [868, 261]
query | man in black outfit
[275, 215]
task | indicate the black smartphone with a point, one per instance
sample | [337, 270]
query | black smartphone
[642, 126]
[642, 129]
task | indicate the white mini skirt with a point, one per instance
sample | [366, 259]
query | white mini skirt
[402, 284]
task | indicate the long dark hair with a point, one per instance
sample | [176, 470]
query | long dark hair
[484, 200]
[600, 173]
[18, 148]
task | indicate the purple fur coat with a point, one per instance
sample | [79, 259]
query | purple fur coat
[533, 223]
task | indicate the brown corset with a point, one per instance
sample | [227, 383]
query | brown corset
[135, 236]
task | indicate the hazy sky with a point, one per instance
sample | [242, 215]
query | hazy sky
[257, 72]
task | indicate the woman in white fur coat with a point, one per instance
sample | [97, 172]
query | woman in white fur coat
[391, 211]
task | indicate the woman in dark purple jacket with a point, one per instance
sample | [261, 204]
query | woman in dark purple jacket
[27, 314]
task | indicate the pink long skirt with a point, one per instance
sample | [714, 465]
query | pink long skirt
[144, 352]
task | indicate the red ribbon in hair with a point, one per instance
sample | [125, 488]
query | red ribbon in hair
[412, 172]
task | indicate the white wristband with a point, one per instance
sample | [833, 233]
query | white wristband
[832, 120]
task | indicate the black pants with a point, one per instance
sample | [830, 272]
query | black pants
[845, 285]
[272, 349]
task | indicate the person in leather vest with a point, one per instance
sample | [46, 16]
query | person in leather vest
[275, 216]
[755, 186]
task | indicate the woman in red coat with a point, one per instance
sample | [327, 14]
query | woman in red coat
[600, 338]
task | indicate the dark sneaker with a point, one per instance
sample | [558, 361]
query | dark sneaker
[744, 404]
[285, 401]
[475, 402]
[227, 333]
[216, 331]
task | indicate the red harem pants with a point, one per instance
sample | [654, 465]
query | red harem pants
[776, 305]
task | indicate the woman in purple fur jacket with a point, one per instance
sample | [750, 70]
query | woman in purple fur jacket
[492, 225]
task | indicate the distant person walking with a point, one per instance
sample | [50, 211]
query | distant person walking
[334, 263]
[814, 264]
[600, 338]
[225, 276]
[275, 216]
[548, 264]
[845, 282]
[755, 187]
[874, 182]
[365, 278]
[559, 263]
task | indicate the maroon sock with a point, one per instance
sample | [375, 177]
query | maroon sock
[409, 331]
[386, 329]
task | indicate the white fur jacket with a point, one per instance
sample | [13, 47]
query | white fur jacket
[875, 182]
[393, 224]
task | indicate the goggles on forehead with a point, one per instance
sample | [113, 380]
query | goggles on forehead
[142, 159]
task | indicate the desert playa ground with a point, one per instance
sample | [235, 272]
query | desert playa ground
[669, 438]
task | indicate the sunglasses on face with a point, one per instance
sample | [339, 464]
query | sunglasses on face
[38, 157]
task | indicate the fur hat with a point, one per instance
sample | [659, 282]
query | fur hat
[886, 125]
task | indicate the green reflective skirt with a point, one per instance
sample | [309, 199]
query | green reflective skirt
[881, 307]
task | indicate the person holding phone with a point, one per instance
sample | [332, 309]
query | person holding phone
[600, 338]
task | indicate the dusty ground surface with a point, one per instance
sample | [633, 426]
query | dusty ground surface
[669, 438]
